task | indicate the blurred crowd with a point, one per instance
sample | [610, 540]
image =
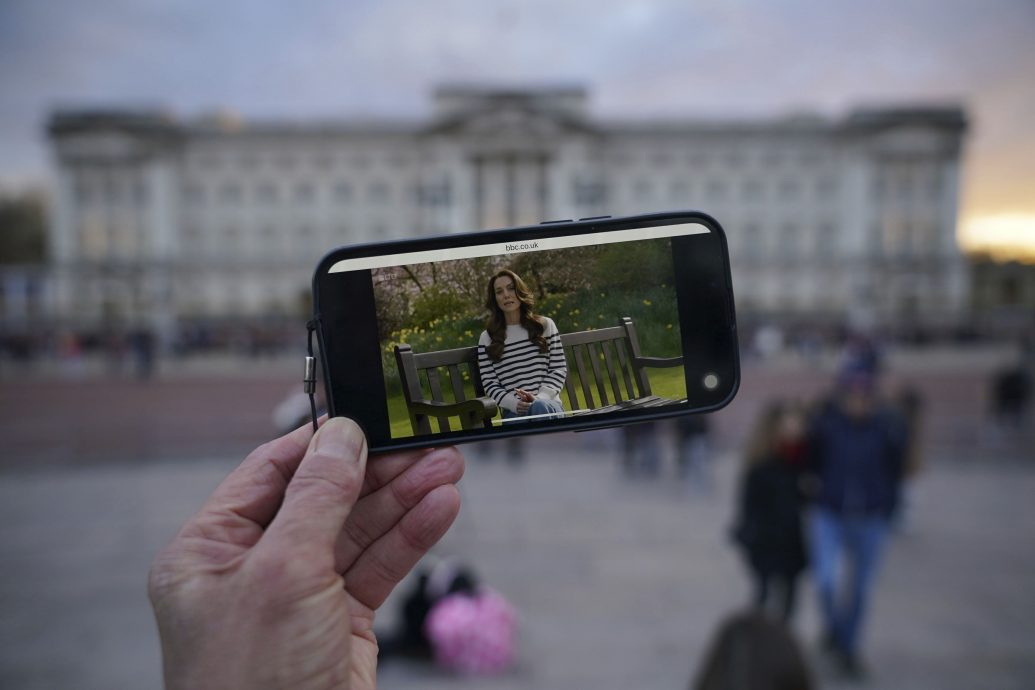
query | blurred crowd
[126, 349]
[822, 487]
[824, 484]
[279, 335]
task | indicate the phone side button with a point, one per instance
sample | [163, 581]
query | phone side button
[551, 222]
[594, 218]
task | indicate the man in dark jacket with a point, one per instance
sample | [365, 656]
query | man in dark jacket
[856, 450]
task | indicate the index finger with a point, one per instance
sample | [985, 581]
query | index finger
[255, 489]
[380, 567]
[245, 502]
[323, 490]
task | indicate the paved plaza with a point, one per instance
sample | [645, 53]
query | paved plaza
[619, 582]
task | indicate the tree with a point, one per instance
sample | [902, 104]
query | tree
[22, 229]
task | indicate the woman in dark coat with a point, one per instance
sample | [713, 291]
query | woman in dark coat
[769, 525]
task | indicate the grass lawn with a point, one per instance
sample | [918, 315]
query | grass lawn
[667, 383]
[400, 421]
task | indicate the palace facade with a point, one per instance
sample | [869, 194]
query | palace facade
[157, 221]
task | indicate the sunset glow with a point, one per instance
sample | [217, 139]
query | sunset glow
[1004, 236]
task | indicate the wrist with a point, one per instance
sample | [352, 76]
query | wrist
[509, 403]
[547, 393]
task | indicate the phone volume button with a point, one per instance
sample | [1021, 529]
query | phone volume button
[551, 222]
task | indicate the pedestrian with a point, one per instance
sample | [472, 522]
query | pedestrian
[753, 652]
[769, 524]
[693, 450]
[862, 353]
[513, 450]
[1011, 395]
[856, 447]
[142, 345]
[450, 618]
[444, 578]
[909, 402]
[641, 452]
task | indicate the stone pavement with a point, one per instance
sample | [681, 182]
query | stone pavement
[619, 583]
[223, 409]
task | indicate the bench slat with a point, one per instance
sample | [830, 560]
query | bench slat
[476, 376]
[623, 362]
[635, 404]
[409, 374]
[617, 407]
[609, 364]
[595, 336]
[583, 379]
[634, 350]
[457, 384]
[569, 383]
[435, 383]
[441, 358]
[436, 394]
[594, 360]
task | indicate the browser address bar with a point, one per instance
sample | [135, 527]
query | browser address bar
[518, 247]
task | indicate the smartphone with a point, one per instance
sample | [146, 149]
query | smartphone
[566, 325]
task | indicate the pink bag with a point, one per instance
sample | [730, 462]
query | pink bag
[472, 634]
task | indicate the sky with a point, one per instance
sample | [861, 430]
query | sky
[313, 59]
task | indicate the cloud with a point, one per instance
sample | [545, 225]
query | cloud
[324, 58]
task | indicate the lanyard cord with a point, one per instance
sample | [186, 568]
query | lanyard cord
[309, 382]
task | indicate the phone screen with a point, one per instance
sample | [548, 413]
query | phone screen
[579, 325]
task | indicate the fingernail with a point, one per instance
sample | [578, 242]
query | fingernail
[338, 436]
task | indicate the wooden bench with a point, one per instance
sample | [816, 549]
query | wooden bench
[600, 360]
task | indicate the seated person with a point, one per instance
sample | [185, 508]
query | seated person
[519, 353]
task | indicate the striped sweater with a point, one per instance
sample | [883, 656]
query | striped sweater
[523, 366]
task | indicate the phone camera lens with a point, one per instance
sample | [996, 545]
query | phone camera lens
[711, 381]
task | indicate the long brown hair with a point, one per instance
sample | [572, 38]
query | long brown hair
[752, 652]
[763, 439]
[496, 324]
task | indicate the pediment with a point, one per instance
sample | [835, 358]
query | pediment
[509, 121]
[914, 139]
[102, 145]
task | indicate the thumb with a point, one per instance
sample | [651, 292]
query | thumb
[323, 490]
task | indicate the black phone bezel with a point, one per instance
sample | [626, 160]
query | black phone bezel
[530, 232]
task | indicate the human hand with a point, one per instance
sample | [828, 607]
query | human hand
[275, 581]
[524, 400]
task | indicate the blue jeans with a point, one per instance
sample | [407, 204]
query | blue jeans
[861, 538]
[554, 408]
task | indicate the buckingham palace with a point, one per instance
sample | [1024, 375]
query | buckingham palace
[157, 221]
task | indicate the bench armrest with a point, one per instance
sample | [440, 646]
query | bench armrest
[658, 362]
[483, 408]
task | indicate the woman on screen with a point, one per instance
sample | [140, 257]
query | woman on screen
[519, 353]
